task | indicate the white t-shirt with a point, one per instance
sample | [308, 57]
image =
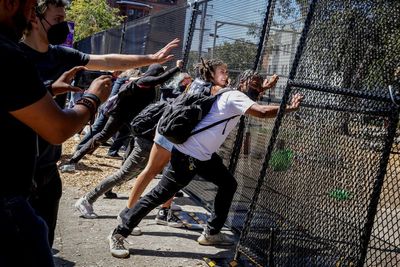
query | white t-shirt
[202, 145]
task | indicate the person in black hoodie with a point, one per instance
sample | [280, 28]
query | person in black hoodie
[130, 100]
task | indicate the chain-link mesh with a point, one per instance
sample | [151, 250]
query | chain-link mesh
[142, 36]
[316, 201]
[231, 32]
[311, 183]
[228, 30]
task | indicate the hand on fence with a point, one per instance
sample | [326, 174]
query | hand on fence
[295, 102]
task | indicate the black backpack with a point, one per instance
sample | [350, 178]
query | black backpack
[185, 112]
[145, 122]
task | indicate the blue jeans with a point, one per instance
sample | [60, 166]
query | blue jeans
[23, 235]
[180, 172]
[162, 141]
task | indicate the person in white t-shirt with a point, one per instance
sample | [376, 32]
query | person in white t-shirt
[197, 156]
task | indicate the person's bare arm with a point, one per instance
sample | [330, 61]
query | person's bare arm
[268, 111]
[123, 62]
[55, 125]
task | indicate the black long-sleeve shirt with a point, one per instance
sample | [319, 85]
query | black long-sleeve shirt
[136, 95]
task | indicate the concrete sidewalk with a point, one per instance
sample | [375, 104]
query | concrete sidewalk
[83, 242]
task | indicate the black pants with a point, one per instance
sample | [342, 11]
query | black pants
[180, 172]
[121, 138]
[23, 235]
[45, 199]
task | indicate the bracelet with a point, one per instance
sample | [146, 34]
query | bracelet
[47, 84]
[94, 97]
[89, 104]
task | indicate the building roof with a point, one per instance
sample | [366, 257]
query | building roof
[133, 3]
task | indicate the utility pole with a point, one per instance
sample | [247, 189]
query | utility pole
[123, 29]
[202, 25]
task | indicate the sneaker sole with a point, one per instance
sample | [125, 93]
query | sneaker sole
[161, 222]
[205, 243]
[175, 225]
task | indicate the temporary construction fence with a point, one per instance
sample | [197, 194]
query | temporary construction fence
[318, 187]
[327, 192]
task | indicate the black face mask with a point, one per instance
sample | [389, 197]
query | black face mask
[57, 34]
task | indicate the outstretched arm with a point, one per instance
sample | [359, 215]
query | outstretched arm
[124, 62]
[151, 81]
[268, 111]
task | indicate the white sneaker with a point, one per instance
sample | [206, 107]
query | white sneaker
[117, 248]
[77, 137]
[136, 231]
[68, 168]
[85, 208]
[219, 239]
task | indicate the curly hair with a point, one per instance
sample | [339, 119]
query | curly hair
[207, 67]
[247, 76]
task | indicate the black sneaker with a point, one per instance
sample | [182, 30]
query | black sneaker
[114, 155]
[110, 194]
[179, 194]
[166, 217]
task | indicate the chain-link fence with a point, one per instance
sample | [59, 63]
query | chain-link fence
[142, 36]
[318, 187]
[322, 197]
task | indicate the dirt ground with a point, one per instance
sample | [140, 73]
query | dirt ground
[83, 242]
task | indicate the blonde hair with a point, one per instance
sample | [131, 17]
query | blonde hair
[130, 73]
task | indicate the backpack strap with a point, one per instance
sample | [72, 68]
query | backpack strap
[212, 125]
[220, 92]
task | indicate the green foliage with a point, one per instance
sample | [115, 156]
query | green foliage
[239, 55]
[339, 194]
[254, 30]
[281, 160]
[92, 16]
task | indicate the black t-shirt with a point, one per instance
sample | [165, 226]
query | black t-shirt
[51, 65]
[20, 87]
